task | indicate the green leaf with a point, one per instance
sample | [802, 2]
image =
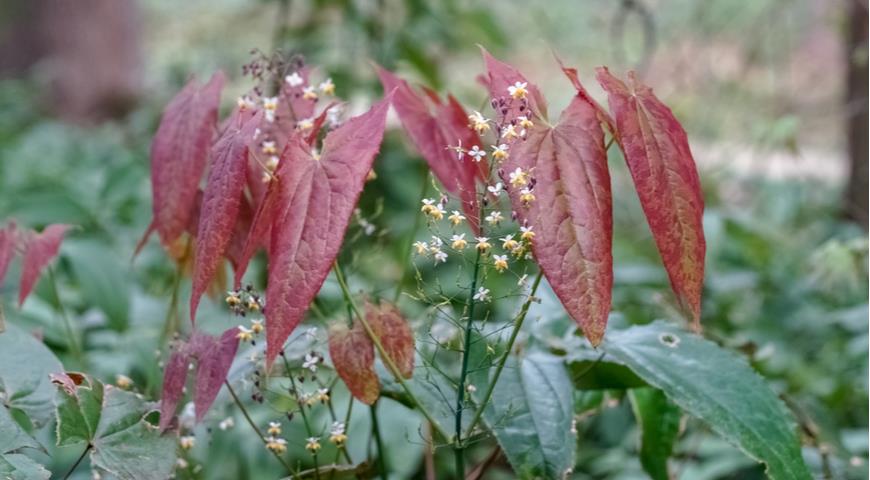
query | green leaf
[659, 422]
[12, 436]
[25, 366]
[593, 371]
[531, 416]
[16, 466]
[716, 386]
[78, 415]
[102, 281]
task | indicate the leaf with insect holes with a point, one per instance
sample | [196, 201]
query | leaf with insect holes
[174, 378]
[317, 199]
[571, 214]
[433, 134]
[39, 250]
[179, 153]
[657, 153]
[8, 242]
[353, 357]
[394, 333]
[214, 356]
[221, 203]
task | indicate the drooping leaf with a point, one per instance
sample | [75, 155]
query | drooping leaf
[659, 422]
[174, 378]
[8, 242]
[79, 405]
[317, 200]
[531, 416]
[716, 386]
[25, 366]
[39, 250]
[394, 333]
[353, 356]
[179, 153]
[434, 127]
[214, 356]
[571, 212]
[221, 203]
[657, 153]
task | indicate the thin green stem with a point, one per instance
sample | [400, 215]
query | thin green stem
[376, 432]
[254, 425]
[458, 449]
[410, 241]
[391, 366]
[71, 335]
[518, 325]
[308, 429]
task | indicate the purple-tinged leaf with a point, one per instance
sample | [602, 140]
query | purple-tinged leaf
[394, 333]
[214, 357]
[174, 378]
[8, 243]
[39, 250]
[353, 357]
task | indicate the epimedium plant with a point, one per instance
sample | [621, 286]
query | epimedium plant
[520, 197]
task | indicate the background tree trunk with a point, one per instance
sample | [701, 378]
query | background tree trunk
[856, 111]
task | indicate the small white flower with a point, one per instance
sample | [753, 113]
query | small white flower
[421, 247]
[440, 256]
[476, 153]
[245, 103]
[518, 90]
[308, 93]
[270, 103]
[500, 152]
[519, 178]
[494, 218]
[458, 242]
[337, 428]
[495, 189]
[327, 87]
[437, 242]
[311, 362]
[294, 79]
[456, 218]
[500, 262]
[523, 280]
[509, 133]
[482, 295]
[227, 423]
[305, 124]
[470, 388]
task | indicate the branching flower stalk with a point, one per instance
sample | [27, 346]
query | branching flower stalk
[254, 426]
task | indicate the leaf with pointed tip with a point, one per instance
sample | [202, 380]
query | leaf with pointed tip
[174, 378]
[499, 77]
[39, 250]
[179, 153]
[214, 356]
[657, 153]
[221, 203]
[433, 134]
[78, 408]
[394, 333]
[317, 199]
[353, 357]
[571, 215]
[8, 242]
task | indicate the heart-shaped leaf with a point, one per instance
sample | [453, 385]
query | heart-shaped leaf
[318, 196]
[179, 153]
[394, 333]
[716, 386]
[353, 356]
[657, 153]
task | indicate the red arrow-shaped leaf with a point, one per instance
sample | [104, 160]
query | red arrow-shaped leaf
[317, 199]
[657, 153]
[221, 203]
[571, 214]
[214, 357]
[39, 250]
[8, 242]
[179, 153]
[432, 134]
[174, 378]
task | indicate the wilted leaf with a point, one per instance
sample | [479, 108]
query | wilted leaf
[221, 203]
[531, 416]
[657, 153]
[571, 213]
[716, 386]
[394, 333]
[659, 422]
[353, 356]
[433, 133]
[214, 356]
[39, 250]
[179, 153]
[25, 366]
[317, 200]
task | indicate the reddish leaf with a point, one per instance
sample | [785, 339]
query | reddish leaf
[317, 199]
[500, 77]
[214, 358]
[394, 333]
[39, 250]
[353, 356]
[174, 378]
[179, 153]
[657, 153]
[571, 214]
[433, 134]
[8, 242]
[220, 204]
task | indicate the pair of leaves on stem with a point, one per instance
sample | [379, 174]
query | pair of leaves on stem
[352, 351]
[301, 217]
[572, 214]
[37, 251]
[213, 358]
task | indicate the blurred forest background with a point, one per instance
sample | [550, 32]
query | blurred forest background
[773, 94]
